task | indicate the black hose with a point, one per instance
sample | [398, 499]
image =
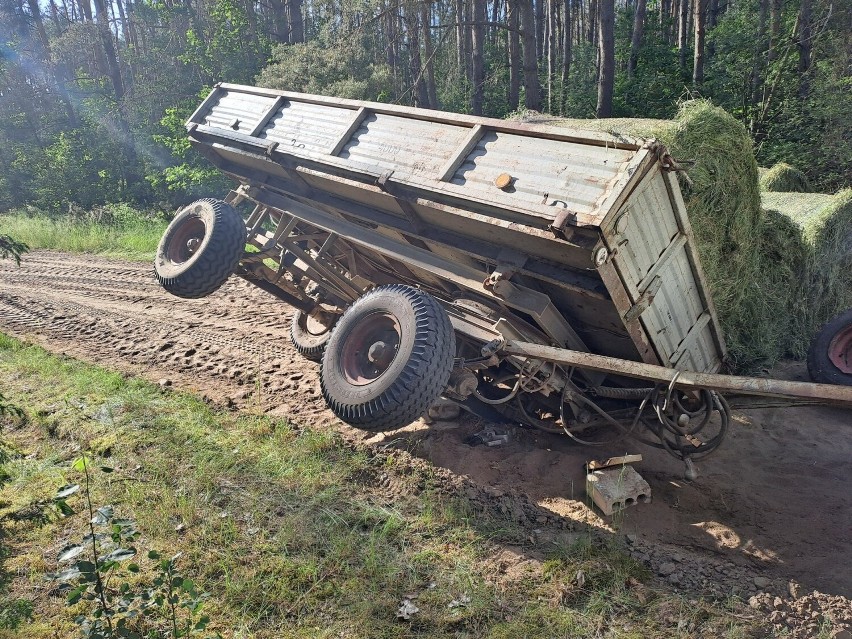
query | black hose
[665, 425]
[619, 393]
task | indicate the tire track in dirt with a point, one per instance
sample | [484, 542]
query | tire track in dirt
[748, 514]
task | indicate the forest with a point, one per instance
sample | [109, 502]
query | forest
[94, 93]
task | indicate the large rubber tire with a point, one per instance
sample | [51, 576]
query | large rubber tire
[200, 249]
[410, 381]
[308, 343]
[830, 355]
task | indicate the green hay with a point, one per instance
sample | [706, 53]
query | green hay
[723, 202]
[784, 178]
[817, 246]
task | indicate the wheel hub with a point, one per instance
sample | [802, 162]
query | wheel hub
[186, 240]
[370, 348]
[380, 354]
[840, 350]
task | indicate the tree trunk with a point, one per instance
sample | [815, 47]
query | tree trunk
[514, 50]
[592, 25]
[461, 52]
[532, 97]
[805, 45]
[774, 30]
[85, 9]
[683, 10]
[54, 14]
[606, 76]
[110, 53]
[759, 52]
[539, 27]
[636, 38]
[125, 27]
[297, 22]
[477, 76]
[418, 86]
[280, 28]
[428, 51]
[698, 58]
[712, 21]
[551, 51]
[566, 54]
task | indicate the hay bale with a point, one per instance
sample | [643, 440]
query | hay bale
[818, 249]
[723, 202]
[784, 178]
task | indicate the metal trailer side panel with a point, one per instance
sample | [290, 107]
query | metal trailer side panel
[430, 177]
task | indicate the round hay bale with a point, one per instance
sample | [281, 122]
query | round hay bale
[822, 262]
[723, 202]
[784, 178]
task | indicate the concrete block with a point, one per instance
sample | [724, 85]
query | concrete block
[617, 488]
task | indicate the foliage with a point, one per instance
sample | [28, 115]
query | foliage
[10, 247]
[127, 610]
[14, 612]
[118, 230]
[190, 176]
[81, 124]
[9, 410]
[342, 67]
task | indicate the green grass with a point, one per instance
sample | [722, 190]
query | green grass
[293, 532]
[134, 238]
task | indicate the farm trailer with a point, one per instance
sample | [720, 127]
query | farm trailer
[535, 275]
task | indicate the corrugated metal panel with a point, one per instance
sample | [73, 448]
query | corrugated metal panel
[313, 127]
[246, 110]
[560, 174]
[406, 146]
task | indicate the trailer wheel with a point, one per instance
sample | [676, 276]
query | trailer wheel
[200, 248]
[830, 355]
[389, 358]
[309, 336]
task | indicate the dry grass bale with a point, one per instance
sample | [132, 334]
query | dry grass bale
[784, 178]
[817, 247]
[723, 201]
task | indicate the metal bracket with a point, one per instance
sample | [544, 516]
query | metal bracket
[562, 223]
[382, 180]
[644, 301]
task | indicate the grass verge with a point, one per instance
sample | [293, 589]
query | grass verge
[293, 532]
[118, 232]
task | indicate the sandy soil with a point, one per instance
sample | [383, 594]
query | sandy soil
[771, 511]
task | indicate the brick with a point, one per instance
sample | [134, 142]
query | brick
[615, 489]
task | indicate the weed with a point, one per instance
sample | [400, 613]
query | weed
[120, 233]
[10, 247]
[292, 531]
[126, 610]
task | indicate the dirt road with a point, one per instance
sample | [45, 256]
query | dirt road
[773, 505]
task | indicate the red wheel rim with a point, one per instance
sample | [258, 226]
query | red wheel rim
[185, 240]
[370, 348]
[840, 350]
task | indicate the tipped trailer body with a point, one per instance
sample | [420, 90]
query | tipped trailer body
[533, 274]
